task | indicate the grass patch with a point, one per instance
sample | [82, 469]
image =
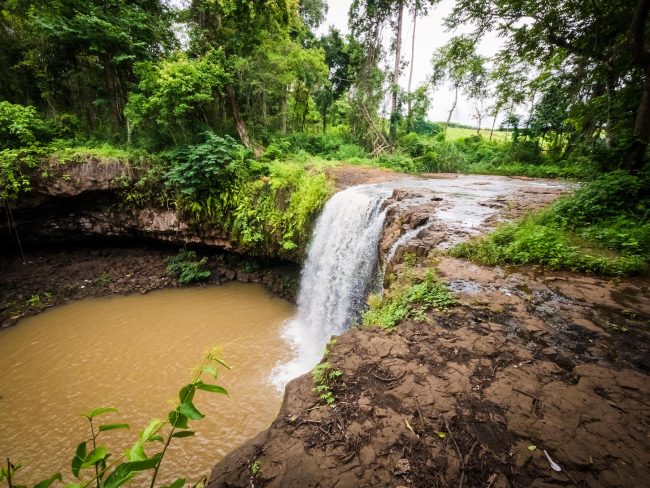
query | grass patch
[408, 297]
[83, 153]
[537, 239]
[456, 133]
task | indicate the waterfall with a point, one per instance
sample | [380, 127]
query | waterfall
[340, 269]
[342, 260]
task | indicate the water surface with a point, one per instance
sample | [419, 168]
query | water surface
[134, 353]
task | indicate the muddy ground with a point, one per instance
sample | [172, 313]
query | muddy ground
[51, 276]
[527, 362]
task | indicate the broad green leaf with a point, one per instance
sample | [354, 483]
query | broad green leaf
[78, 459]
[125, 471]
[46, 483]
[95, 456]
[211, 388]
[104, 428]
[189, 410]
[183, 433]
[442, 435]
[179, 483]
[532, 448]
[136, 453]
[119, 476]
[156, 438]
[145, 464]
[99, 411]
[186, 394]
[151, 429]
[211, 370]
[74, 485]
[177, 419]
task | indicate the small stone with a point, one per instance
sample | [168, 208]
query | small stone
[403, 467]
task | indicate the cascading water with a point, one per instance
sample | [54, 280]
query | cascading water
[340, 269]
[342, 261]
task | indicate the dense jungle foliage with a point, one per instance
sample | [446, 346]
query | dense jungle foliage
[230, 110]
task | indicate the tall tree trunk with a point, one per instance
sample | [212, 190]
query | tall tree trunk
[453, 107]
[305, 112]
[635, 156]
[409, 119]
[325, 119]
[264, 111]
[398, 53]
[239, 121]
[494, 122]
[283, 110]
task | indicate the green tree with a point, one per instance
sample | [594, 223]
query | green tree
[603, 57]
[175, 96]
[458, 63]
[80, 54]
[342, 57]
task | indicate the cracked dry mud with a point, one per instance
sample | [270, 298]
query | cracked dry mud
[524, 359]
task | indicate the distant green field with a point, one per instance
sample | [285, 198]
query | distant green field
[454, 133]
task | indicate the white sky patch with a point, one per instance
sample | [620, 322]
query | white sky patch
[430, 35]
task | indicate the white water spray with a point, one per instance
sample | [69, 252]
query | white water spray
[340, 269]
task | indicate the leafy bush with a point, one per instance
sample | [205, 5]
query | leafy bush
[408, 300]
[275, 214]
[187, 267]
[15, 168]
[444, 157]
[538, 240]
[398, 161]
[608, 196]
[19, 125]
[329, 146]
[201, 170]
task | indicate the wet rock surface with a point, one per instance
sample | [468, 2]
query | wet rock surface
[525, 359]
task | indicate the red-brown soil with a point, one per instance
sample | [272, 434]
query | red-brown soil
[552, 360]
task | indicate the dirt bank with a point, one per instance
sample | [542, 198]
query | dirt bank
[51, 277]
[526, 358]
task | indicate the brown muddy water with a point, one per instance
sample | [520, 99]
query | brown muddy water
[134, 353]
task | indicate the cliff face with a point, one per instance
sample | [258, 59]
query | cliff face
[81, 201]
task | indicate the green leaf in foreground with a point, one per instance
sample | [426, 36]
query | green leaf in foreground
[183, 433]
[189, 410]
[211, 370]
[46, 483]
[95, 456]
[176, 484]
[78, 459]
[107, 427]
[178, 420]
[151, 429]
[99, 411]
[211, 388]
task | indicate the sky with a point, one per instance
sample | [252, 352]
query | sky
[430, 35]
